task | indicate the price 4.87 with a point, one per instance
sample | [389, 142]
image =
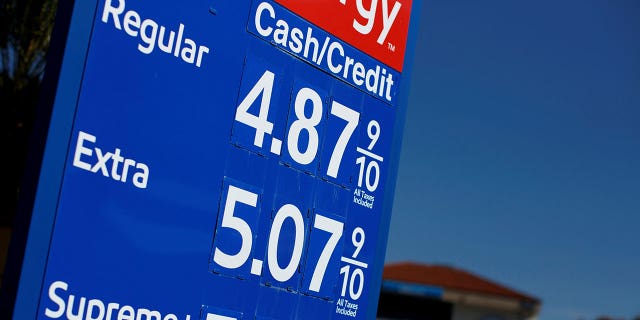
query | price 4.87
[302, 138]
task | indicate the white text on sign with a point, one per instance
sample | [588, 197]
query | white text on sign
[370, 16]
[273, 24]
[151, 34]
[66, 307]
[116, 172]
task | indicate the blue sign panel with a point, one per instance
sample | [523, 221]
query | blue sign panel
[226, 160]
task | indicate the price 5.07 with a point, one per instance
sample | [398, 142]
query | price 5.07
[238, 221]
[303, 137]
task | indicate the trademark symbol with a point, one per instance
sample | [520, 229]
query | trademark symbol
[391, 47]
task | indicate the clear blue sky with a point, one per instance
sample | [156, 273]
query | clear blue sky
[521, 152]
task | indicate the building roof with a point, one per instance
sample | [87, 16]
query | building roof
[450, 278]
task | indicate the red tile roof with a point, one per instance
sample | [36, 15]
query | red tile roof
[449, 278]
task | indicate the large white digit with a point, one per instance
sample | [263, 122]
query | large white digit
[355, 294]
[235, 195]
[335, 228]
[259, 122]
[357, 238]
[354, 291]
[372, 172]
[373, 185]
[304, 123]
[351, 116]
[360, 161]
[292, 212]
[344, 270]
[373, 131]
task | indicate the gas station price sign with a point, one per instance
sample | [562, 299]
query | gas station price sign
[225, 160]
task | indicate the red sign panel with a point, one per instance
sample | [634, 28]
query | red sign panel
[377, 27]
